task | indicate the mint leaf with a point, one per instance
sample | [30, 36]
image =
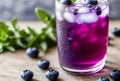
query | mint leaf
[33, 42]
[11, 40]
[73, 0]
[42, 15]
[31, 31]
[3, 36]
[23, 33]
[43, 46]
[3, 26]
[10, 48]
[20, 44]
[1, 45]
[14, 23]
[1, 50]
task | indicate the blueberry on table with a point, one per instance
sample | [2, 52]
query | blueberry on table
[43, 64]
[66, 2]
[116, 32]
[92, 2]
[98, 10]
[32, 52]
[103, 79]
[52, 75]
[27, 75]
[115, 75]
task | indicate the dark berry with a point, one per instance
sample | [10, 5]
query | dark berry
[92, 2]
[27, 75]
[75, 11]
[52, 75]
[115, 75]
[116, 32]
[32, 52]
[43, 64]
[89, 5]
[67, 2]
[98, 10]
[103, 79]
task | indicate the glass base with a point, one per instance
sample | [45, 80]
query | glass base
[91, 70]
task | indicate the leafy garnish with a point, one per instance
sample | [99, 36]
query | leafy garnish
[12, 38]
[71, 0]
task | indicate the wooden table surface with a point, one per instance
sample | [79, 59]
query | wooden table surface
[12, 64]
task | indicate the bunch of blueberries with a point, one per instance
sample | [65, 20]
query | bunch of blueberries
[52, 74]
[115, 75]
[27, 75]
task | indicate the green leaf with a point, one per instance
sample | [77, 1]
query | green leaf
[11, 40]
[23, 33]
[6, 44]
[10, 33]
[3, 36]
[1, 45]
[73, 0]
[10, 48]
[32, 42]
[3, 26]
[20, 44]
[42, 15]
[32, 32]
[14, 22]
[43, 46]
[1, 50]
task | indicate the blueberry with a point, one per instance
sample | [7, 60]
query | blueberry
[52, 75]
[43, 64]
[92, 2]
[27, 75]
[116, 32]
[32, 52]
[75, 11]
[89, 5]
[67, 2]
[115, 75]
[103, 79]
[98, 10]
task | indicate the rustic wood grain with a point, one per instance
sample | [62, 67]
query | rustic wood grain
[11, 64]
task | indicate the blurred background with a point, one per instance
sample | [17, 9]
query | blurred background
[24, 9]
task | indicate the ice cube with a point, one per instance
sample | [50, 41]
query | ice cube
[88, 17]
[80, 1]
[69, 17]
[102, 0]
[83, 10]
[59, 15]
[60, 6]
[105, 12]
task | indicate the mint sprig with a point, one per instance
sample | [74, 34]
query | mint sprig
[71, 0]
[13, 38]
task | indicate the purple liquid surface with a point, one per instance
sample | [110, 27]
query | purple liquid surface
[82, 45]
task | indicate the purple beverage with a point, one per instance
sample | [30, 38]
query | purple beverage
[82, 35]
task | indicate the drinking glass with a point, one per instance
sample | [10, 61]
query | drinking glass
[82, 34]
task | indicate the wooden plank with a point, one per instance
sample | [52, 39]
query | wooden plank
[12, 64]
